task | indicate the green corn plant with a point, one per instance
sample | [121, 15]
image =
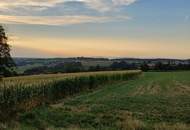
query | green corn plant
[50, 88]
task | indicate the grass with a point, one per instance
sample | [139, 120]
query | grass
[155, 101]
[25, 93]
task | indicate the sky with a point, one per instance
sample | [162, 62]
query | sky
[97, 28]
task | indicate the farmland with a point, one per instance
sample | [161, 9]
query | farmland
[154, 101]
[25, 93]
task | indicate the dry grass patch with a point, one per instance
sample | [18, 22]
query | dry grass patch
[131, 124]
[165, 126]
[79, 109]
[179, 89]
[128, 122]
[58, 105]
[152, 89]
[72, 128]
[75, 109]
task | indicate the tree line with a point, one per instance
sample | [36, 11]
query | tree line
[159, 66]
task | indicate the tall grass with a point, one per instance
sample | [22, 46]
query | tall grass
[27, 92]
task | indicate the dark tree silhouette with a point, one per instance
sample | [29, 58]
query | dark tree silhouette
[7, 64]
[144, 67]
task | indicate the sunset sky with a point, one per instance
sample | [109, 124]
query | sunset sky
[97, 28]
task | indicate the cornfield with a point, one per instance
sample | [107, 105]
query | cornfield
[30, 91]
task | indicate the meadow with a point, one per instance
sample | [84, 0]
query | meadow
[153, 101]
[26, 92]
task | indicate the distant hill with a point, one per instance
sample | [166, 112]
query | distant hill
[56, 65]
[48, 61]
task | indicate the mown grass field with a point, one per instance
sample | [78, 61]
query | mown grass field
[155, 101]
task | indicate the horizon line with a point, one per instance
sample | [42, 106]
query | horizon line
[111, 58]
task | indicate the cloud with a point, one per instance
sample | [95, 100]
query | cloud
[57, 20]
[107, 5]
[123, 2]
[99, 5]
[8, 4]
[61, 12]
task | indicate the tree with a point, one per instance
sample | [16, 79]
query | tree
[7, 64]
[145, 67]
[159, 66]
